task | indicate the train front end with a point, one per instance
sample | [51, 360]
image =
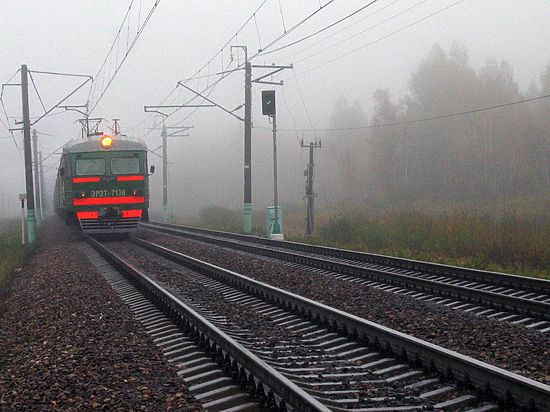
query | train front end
[106, 185]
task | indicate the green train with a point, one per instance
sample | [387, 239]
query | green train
[103, 185]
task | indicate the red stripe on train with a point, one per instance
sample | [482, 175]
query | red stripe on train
[132, 213]
[86, 179]
[115, 200]
[129, 178]
[87, 215]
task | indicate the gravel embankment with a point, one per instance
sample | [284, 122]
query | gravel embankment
[514, 348]
[69, 343]
[262, 334]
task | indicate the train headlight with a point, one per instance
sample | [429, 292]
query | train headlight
[82, 194]
[106, 141]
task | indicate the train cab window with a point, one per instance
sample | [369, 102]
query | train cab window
[124, 165]
[86, 167]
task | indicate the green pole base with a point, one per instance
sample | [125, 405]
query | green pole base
[165, 214]
[38, 217]
[247, 214]
[31, 225]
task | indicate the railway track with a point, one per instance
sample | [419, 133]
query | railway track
[324, 359]
[519, 300]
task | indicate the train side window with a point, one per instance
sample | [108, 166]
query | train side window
[124, 165]
[90, 167]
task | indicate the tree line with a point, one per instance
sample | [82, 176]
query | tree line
[482, 156]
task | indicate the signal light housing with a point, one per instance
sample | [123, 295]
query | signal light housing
[268, 102]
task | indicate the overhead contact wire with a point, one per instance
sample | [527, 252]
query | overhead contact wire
[320, 30]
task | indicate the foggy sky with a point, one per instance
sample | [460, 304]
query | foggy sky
[74, 37]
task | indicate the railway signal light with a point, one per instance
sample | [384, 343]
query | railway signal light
[106, 141]
[268, 102]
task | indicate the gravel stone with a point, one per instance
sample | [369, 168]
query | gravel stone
[69, 343]
[517, 349]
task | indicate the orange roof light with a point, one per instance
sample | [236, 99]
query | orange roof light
[106, 141]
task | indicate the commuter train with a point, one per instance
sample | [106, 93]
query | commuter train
[103, 185]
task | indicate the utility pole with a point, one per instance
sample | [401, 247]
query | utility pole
[31, 218]
[310, 194]
[164, 135]
[247, 203]
[164, 172]
[42, 187]
[36, 177]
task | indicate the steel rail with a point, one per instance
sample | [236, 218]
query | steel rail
[486, 378]
[495, 278]
[283, 387]
[502, 301]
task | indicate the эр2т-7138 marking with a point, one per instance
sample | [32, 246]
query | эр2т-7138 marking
[103, 185]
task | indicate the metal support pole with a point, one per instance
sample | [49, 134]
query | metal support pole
[28, 157]
[310, 194]
[22, 219]
[276, 234]
[42, 187]
[247, 207]
[36, 178]
[164, 174]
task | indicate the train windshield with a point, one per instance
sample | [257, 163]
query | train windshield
[86, 167]
[124, 165]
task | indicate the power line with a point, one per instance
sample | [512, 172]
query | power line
[129, 49]
[196, 75]
[303, 101]
[286, 33]
[36, 91]
[228, 42]
[381, 38]
[324, 39]
[424, 119]
[309, 36]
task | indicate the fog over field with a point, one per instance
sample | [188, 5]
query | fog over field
[369, 87]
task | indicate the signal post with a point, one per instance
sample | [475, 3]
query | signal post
[268, 109]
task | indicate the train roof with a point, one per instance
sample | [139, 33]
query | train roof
[83, 146]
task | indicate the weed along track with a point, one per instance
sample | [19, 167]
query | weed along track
[304, 355]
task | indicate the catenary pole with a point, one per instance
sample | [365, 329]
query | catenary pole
[36, 177]
[247, 206]
[42, 187]
[164, 173]
[31, 219]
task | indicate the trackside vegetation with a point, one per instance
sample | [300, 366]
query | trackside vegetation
[12, 252]
[509, 243]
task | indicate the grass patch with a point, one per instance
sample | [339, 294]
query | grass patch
[510, 238]
[509, 243]
[12, 253]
